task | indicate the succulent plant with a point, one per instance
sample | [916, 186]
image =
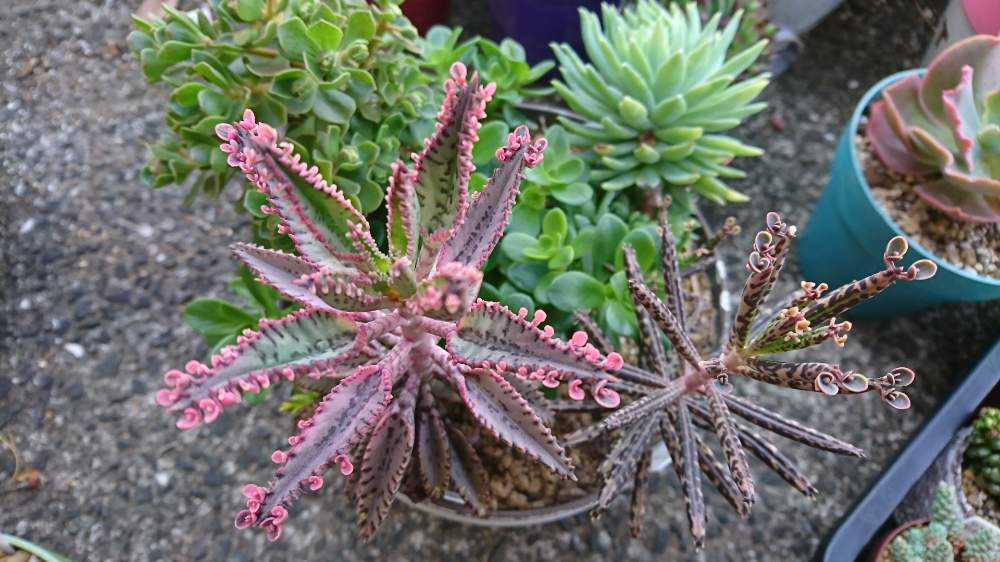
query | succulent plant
[983, 454]
[338, 77]
[754, 22]
[375, 321]
[673, 394]
[948, 537]
[944, 129]
[657, 92]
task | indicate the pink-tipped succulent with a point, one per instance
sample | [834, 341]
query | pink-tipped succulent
[944, 128]
[396, 328]
[674, 393]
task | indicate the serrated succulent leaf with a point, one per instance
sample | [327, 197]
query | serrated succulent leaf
[498, 407]
[447, 293]
[486, 217]
[305, 342]
[386, 458]
[402, 213]
[467, 474]
[347, 289]
[433, 451]
[280, 270]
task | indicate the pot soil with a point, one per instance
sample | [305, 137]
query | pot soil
[974, 247]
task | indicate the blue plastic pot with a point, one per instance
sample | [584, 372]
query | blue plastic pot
[536, 23]
[846, 236]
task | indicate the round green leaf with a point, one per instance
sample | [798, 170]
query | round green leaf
[619, 318]
[491, 137]
[575, 290]
[326, 35]
[554, 224]
[249, 10]
[645, 249]
[514, 244]
[293, 38]
[576, 193]
[216, 317]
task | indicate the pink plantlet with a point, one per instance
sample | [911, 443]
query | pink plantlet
[575, 390]
[396, 325]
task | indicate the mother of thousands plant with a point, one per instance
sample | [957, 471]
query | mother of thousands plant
[396, 328]
[671, 394]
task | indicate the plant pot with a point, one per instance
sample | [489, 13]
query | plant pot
[884, 545]
[846, 236]
[425, 14]
[799, 16]
[867, 519]
[535, 24]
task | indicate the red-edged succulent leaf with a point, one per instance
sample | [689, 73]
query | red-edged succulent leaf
[443, 167]
[466, 472]
[280, 270]
[386, 458]
[433, 452]
[345, 417]
[347, 289]
[490, 336]
[498, 407]
[324, 226]
[619, 466]
[402, 213]
[448, 293]
[308, 342]
[485, 219]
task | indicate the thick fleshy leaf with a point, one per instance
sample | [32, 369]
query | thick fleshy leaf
[305, 342]
[791, 429]
[442, 169]
[433, 451]
[498, 407]
[640, 488]
[718, 476]
[347, 289]
[324, 226]
[681, 441]
[491, 336]
[386, 458]
[645, 406]
[280, 270]
[345, 417]
[725, 428]
[619, 466]
[402, 213]
[448, 293]
[467, 473]
[487, 215]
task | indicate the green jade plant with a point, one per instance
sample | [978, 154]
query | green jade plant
[396, 329]
[949, 537]
[671, 394]
[657, 92]
[754, 24]
[339, 77]
[944, 129]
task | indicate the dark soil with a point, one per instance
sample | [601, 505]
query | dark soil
[95, 268]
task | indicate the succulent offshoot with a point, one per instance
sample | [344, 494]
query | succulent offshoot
[672, 394]
[393, 326]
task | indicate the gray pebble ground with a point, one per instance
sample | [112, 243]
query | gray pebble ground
[96, 267]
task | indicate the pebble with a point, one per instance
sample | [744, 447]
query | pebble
[27, 226]
[74, 349]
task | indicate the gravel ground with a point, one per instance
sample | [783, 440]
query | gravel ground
[96, 266]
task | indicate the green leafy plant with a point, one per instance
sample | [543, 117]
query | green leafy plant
[338, 77]
[983, 454]
[948, 537]
[657, 92]
[754, 24]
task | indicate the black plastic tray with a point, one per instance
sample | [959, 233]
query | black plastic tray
[865, 521]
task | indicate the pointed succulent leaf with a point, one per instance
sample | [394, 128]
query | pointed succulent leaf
[640, 487]
[347, 289]
[386, 458]
[486, 217]
[305, 342]
[718, 476]
[467, 473]
[725, 428]
[679, 436]
[498, 407]
[620, 464]
[490, 336]
[776, 423]
[402, 213]
[442, 169]
[433, 453]
[345, 416]
[331, 237]
[448, 293]
[280, 270]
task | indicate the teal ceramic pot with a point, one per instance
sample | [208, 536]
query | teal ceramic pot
[848, 230]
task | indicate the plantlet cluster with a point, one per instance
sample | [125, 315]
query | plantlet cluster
[657, 92]
[397, 328]
[944, 128]
[948, 537]
[673, 394]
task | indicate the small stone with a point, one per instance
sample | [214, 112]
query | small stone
[162, 478]
[27, 226]
[74, 349]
